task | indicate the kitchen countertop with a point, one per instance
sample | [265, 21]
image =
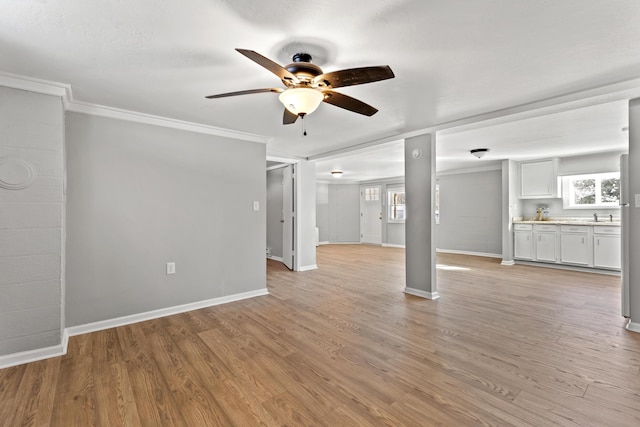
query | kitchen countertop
[569, 221]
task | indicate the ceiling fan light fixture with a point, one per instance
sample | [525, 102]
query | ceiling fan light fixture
[479, 152]
[336, 174]
[301, 100]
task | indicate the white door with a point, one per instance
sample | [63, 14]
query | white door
[288, 217]
[371, 214]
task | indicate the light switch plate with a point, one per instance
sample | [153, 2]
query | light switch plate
[637, 200]
[256, 206]
[171, 268]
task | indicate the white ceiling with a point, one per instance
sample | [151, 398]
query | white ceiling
[453, 60]
[585, 130]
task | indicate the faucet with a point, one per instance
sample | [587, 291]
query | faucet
[610, 217]
[595, 216]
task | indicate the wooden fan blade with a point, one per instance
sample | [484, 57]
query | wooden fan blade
[354, 76]
[288, 117]
[244, 92]
[348, 103]
[275, 68]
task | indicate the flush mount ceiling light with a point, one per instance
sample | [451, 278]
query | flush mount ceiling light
[479, 152]
[301, 100]
[336, 174]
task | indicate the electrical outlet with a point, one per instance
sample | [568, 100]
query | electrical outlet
[171, 268]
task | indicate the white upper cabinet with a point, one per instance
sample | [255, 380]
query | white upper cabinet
[539, 179]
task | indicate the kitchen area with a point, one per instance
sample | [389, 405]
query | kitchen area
[571, 213]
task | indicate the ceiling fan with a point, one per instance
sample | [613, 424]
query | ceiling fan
[307, 85]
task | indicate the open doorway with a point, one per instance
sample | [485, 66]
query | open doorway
[280, 214]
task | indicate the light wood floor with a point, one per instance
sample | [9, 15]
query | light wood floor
[344, 346]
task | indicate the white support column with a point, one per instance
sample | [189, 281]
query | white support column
[634, 215]
[305, 196]
[420, 227]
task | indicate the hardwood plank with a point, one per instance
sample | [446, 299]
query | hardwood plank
[343, 345]
[37, 391]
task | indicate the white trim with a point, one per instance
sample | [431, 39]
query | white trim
[308, 267]
[569, 267]
[23, 357]
[287, 160]
[324, 243]
[505, 262]
[61, 349]
[390, 245]
[275, 258]
[344, 243]
[469, 170]
[633, 326]
[162, 312]
[45, 87]
[62, 90]
[421, 293]
[483, 254]
[133, 116]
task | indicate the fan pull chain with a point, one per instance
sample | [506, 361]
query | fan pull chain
[304, 125]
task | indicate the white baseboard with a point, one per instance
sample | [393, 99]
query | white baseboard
[343, 243]
[308, 267]
[484, 254]
[324, 243]
[421, 293]
[23, 357]
[391, 245]
[275, 258]
[61, 349]
[504, 262]
[569, 267]
[633, 326]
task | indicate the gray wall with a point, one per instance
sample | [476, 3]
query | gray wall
[31, 220]
[140, 196]
[395, 234]
[344, 213]
[471, 212]
[322, 210]
[274, 212]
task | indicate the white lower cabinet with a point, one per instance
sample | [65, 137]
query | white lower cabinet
[574, 244]
[523, 244]
[596, 246]
[606, 247]
[545, 247]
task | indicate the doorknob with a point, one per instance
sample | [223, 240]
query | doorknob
[282, 221]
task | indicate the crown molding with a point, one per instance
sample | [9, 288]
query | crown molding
[47, 87]
[150, 119]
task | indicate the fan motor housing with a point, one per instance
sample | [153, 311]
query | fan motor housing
[302, 67]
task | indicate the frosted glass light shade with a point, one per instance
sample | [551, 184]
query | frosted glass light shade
[301, 100]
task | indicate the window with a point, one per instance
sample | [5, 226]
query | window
[397, 208]
[372, 194]
[601, 190]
